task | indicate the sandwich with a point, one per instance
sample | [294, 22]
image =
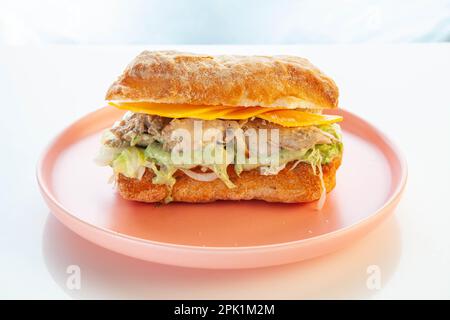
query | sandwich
[259, 119]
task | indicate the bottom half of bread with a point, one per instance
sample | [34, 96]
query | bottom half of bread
[298, 184]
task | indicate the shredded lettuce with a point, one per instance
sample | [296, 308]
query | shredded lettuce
[156, 155]
[163, 175]
[314, 158]
[156, 152]
[221, 171]
[333, 129]
[130, 162]
[160, 156]
[329, 151]
[238, 168]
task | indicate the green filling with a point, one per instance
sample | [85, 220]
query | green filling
[130, 162]
[163, 175]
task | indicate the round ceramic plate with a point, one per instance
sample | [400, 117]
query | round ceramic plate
[224, 234]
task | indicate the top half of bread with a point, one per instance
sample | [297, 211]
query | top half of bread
[227, 80]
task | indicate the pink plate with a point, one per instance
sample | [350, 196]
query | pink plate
[224, 234]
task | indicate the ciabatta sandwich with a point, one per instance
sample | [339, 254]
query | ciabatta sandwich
[280, 99]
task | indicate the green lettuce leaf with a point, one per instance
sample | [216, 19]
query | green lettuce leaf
[130, 162]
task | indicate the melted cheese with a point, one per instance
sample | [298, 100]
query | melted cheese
[283, 117]
[296, 118]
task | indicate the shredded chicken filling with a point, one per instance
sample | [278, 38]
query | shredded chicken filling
[143, 129]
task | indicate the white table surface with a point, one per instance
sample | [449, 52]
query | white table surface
[402, 89]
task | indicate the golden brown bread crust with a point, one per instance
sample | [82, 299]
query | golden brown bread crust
[297, 185]
[186, 78]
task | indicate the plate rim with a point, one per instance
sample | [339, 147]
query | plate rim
[391, 201]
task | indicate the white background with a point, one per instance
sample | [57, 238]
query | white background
[402, 89]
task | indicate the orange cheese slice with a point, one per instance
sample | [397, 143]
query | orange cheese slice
[242, 113]
[171, 110]
[296, 118]
[283, 117]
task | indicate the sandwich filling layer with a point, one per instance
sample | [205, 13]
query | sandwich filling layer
[142, 141]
